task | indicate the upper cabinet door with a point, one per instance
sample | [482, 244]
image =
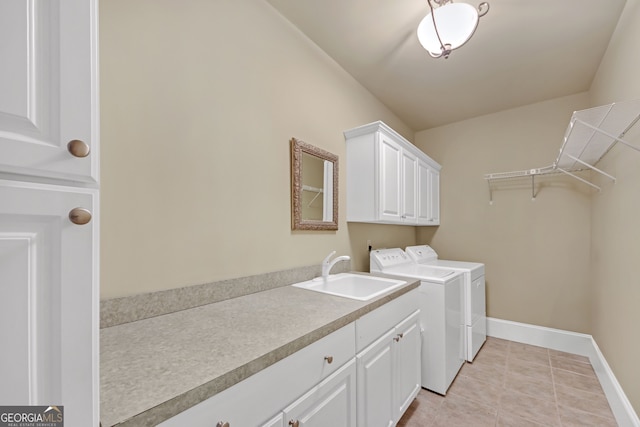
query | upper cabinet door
[390, 180]
[409, 187]
[428, 194]
[434, 196]
[48, 88]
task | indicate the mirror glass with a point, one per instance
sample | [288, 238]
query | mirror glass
[314, 187]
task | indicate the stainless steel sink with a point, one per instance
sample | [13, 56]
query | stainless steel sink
[354, 286]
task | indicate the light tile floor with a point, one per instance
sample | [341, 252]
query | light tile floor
[516, 385]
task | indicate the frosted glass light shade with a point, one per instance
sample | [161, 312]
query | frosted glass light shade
[456, 24]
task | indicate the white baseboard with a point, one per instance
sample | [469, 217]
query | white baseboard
[570, 342]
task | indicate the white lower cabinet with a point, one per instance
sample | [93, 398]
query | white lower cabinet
[261, 399]
[326, 384]
[389, 374]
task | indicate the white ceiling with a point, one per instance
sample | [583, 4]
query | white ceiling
[523, 51]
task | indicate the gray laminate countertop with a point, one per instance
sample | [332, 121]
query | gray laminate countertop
[153, 369]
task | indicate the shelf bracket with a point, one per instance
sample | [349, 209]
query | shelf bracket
[490, 192]
[611, 177]
[533, 188]
[579, 178]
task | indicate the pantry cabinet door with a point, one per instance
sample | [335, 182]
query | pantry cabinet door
[49, 300]
[48, 88]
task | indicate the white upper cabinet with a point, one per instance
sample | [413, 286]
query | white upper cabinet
[389, 180]
[47, 81]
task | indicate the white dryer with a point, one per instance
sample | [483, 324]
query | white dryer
[441, 316]
[474, 297]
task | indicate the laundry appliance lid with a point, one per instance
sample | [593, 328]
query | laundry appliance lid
[423, 272]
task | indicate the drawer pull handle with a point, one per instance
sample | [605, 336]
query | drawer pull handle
[295, 423]
[397, 338]
[222, 424]
[329, 359]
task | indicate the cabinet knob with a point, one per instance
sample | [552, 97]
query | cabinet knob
[78, 148]
[398, 337]
[80, 216]
[295, 423]
[329, 359]
[222, 424]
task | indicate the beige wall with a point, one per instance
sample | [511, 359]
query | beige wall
[616, 223]
[199, 100]
[536, 252]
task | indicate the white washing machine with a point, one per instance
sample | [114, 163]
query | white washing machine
[474, 297]
[441, 316]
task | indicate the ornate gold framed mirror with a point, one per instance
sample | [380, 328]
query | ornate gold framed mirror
[314, 187]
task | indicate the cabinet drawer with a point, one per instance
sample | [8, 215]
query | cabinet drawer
[373, 324]
[258, 398]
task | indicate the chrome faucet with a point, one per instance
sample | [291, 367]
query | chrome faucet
[328, 265]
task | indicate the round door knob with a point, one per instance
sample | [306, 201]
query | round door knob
[329, 359]
[295, 423]
[222, 424]
[78, 148]
[80, 216]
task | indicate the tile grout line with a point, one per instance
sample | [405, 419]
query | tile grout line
[555, 393]
[504, 382]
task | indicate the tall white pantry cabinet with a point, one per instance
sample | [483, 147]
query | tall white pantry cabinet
[49, 188]
[389, 180]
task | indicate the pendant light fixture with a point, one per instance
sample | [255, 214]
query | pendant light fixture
[448, 26]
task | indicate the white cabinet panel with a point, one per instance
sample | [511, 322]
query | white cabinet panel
[48, 80]
[330, 403]
[409, 188]
[428, 194]
[390, 180]
[375, 383]
[48, 297]
[408, 363]
[434, 196]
